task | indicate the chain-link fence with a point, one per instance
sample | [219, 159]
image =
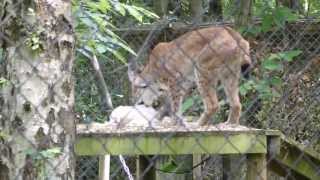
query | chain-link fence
[179, 97]
[290, 106]
[281, 93]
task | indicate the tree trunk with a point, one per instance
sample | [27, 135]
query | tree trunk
[196, 11]
[37, 128]
[243, 12]
[295, 5]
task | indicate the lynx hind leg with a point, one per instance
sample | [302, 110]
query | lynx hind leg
[207, 90]
[231, 87]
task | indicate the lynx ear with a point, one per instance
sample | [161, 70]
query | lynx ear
[134, 75]
[132, 69]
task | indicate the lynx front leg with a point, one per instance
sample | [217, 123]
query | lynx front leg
[209, 97]
[176, 98]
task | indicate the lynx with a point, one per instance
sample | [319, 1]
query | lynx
[202, 57]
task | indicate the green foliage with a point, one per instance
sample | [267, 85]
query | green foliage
[272, 18]
[3, 135]
[33, 40]
[44, 154]
[97, 22]
[189, 102]
[41, 158]
[270, 84]
[98, 17]
[170, 166]
[3, 82]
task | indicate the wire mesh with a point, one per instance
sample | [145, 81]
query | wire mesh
[281, 92]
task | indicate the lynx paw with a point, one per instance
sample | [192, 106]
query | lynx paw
[203, 121]
[227, 124]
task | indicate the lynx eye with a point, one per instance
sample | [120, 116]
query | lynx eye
[143, 86]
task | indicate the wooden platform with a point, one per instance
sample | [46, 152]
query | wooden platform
[99, 139]
[265, 149]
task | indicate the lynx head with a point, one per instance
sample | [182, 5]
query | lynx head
[146, 90]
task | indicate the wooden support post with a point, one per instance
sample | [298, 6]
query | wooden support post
[197, 171]
[144, 171]
[226, 167]
[257, 167]
[104, 167]
[232, 166]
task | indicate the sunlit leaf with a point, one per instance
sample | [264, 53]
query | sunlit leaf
[146, 12]
[104, 6]
[120, 8]
[135, 13]
[101, 48]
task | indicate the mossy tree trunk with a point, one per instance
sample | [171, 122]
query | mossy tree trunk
[37, 128]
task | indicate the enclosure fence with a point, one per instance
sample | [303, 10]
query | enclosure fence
[278, 135]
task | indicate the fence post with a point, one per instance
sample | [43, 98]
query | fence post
[104, 167]
[257, 167]
[197, 171]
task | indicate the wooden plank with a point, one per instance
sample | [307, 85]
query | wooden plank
[300, 161]
[257, 167]
[285, 155]
[187, 143]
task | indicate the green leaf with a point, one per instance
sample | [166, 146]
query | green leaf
[135, 13]
[104, 6]
[187, 104]
[290, 55]
[169, 167]
[146, 12]
[115, 42]
[50, 153]
[3, 81]
[88, 21]
[267, 21]
[101, 48]
[272, 64]
[92, 6]
[120, 8]
[118, 55]
[246, 87]
[276, 81]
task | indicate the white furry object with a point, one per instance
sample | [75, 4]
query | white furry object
[138, 115]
